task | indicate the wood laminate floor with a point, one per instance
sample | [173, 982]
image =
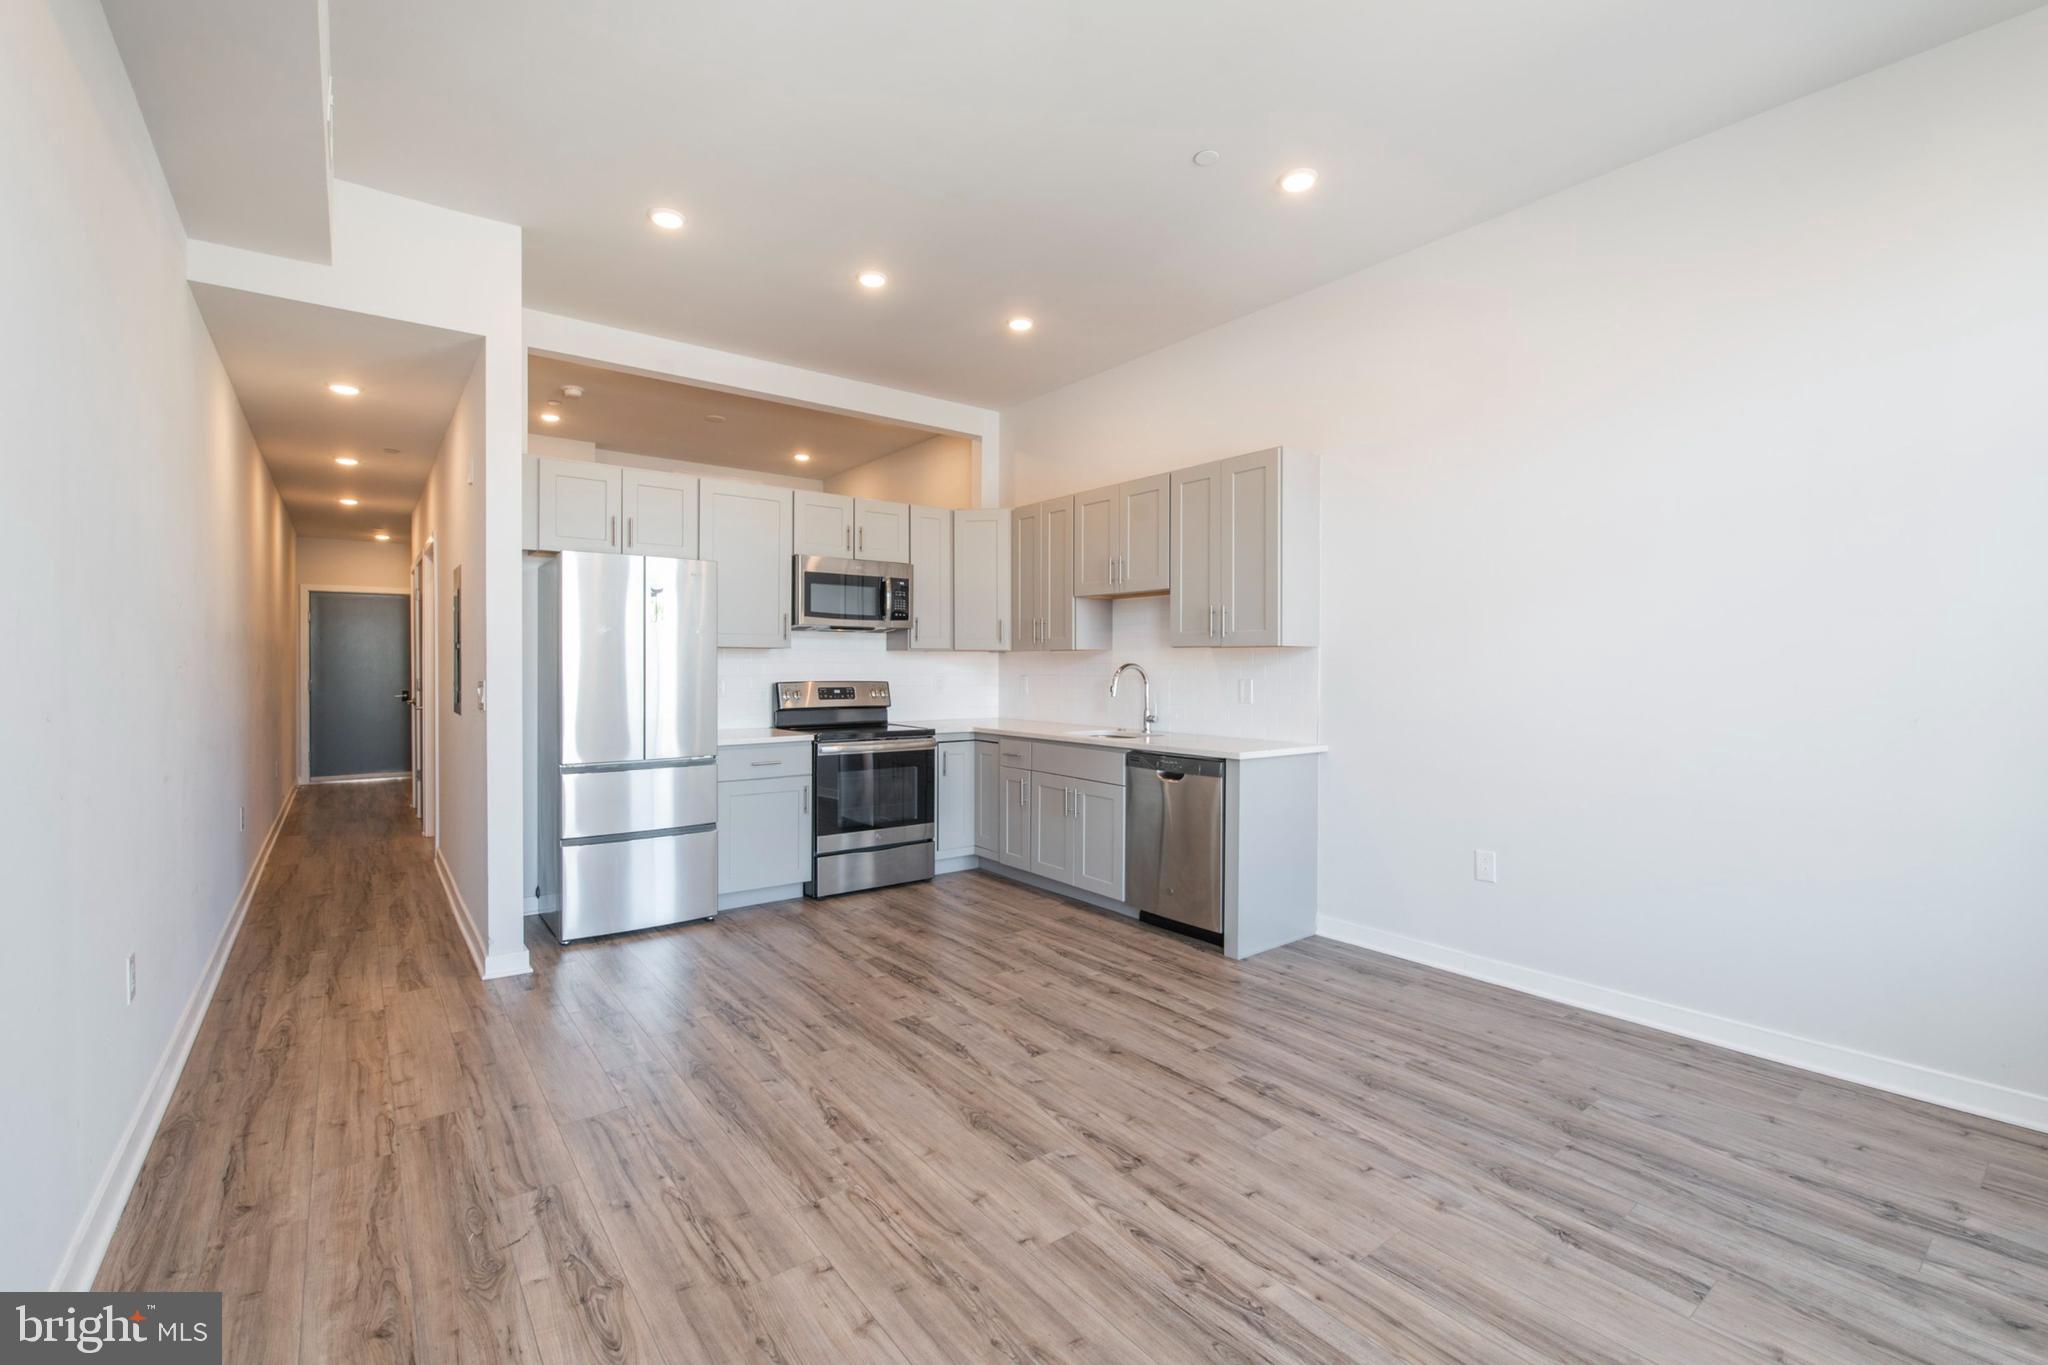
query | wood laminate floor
[965, 1121]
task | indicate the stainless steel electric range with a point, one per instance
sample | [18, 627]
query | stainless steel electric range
[873, 782]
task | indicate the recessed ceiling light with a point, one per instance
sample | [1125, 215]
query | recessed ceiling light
[872, 279]
[668, 220]
[344, 390]
[348, 502]
[1296, 181]
[349, 461]
[551, 417]
[1020, 324]
[714, 417]
[381, 535]
[802, 457]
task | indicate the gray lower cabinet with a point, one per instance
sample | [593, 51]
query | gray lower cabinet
[1052, 828]
[955, 837]
[764, 833]
[1014, 796]
[1077, 833]
[988, 800]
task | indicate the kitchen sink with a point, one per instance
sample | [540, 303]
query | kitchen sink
[1109, 734]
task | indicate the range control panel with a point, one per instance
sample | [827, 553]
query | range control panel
[797, 696]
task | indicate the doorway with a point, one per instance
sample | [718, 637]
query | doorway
[358, 685]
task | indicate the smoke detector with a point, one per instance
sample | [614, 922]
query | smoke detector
[572, 390]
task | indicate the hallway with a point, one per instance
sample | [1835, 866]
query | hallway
[966, 1121]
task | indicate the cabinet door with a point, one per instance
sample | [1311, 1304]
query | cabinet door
[1098, 839]
[661, 514]
[1015, 799]
[745, 532]
[988, 799]
[1245, 564]
[1143, 545]
[1027, 577]
[981, 579]
[578, 505]
[956, 780]
[1196, 498]
[824, 524]
[931, 589]
[1052, 827]
[764, 833]
[1096, 553]
[1058, 516]
[881, 530]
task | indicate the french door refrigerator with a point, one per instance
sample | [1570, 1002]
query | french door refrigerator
[628, 725]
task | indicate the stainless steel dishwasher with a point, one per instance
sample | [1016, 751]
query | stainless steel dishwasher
[1173, 842]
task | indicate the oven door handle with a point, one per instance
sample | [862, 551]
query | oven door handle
[879, 746]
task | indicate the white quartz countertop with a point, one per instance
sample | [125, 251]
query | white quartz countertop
[731, 739]
[1161, 741]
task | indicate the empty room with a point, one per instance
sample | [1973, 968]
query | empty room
[1117, 682]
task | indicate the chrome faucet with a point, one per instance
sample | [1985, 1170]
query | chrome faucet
[1118, 677]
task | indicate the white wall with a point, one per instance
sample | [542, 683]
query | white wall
[936, 472]
[923, 684]
[451, 514]
[149, 610]
[1684, 543]
[327, 562]
[399, 258]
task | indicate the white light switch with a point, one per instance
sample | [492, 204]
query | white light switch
[1485, 865]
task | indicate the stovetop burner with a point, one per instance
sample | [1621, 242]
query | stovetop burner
[885, 730]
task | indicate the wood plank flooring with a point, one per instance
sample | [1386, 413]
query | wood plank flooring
[965, 1121]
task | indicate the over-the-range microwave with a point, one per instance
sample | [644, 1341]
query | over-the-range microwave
[850, 594]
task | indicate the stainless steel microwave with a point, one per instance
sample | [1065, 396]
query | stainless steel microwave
[850, 594]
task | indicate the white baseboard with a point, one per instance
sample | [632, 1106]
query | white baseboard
[489, 966]
[1984, 1098]
[81, 1263]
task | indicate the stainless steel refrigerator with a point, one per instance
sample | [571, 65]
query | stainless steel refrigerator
[628, 723]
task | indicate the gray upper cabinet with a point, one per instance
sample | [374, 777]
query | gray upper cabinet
[1095, 552]
[745, 530]
[881, 530]
[577, 505]
[1143, 543]
[1121, 545]
[1047, 613]
[931, 591]
[982, 605]
[1027, 576]
[1245, 533]
[823, 524]
[661, 513]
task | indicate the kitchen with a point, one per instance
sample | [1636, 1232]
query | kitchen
[843, 685]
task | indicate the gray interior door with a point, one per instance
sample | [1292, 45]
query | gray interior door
[357, 715]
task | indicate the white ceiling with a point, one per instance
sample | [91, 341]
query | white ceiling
[280, 356]
[1003, 158]
[648, 416]
[235, 95]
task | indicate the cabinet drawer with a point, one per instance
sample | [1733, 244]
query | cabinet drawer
[629, 799]
[1086, 762]
[745, 761]
[1013, 753]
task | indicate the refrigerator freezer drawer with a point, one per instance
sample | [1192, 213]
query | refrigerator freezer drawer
[629, 800]
[625, 884]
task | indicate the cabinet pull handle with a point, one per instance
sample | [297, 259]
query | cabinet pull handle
[1226, 620]
[629, 533]
[807, 798]
[917, 627]
[612, 538]
[1024, 792]
[860, 540]
[945, 762]
[765, 763]
[999, 630]
[785, 625]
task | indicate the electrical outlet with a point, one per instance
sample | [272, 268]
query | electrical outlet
[1485, 865]
[131, 978]
[1244, 691]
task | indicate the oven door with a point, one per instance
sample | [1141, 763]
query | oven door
[873, 793]
[850, 594]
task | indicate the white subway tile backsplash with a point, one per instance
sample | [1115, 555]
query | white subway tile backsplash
[1193, 690]
[921, 683]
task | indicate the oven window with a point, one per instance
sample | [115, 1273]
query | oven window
[861, 792]
[843, 596]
